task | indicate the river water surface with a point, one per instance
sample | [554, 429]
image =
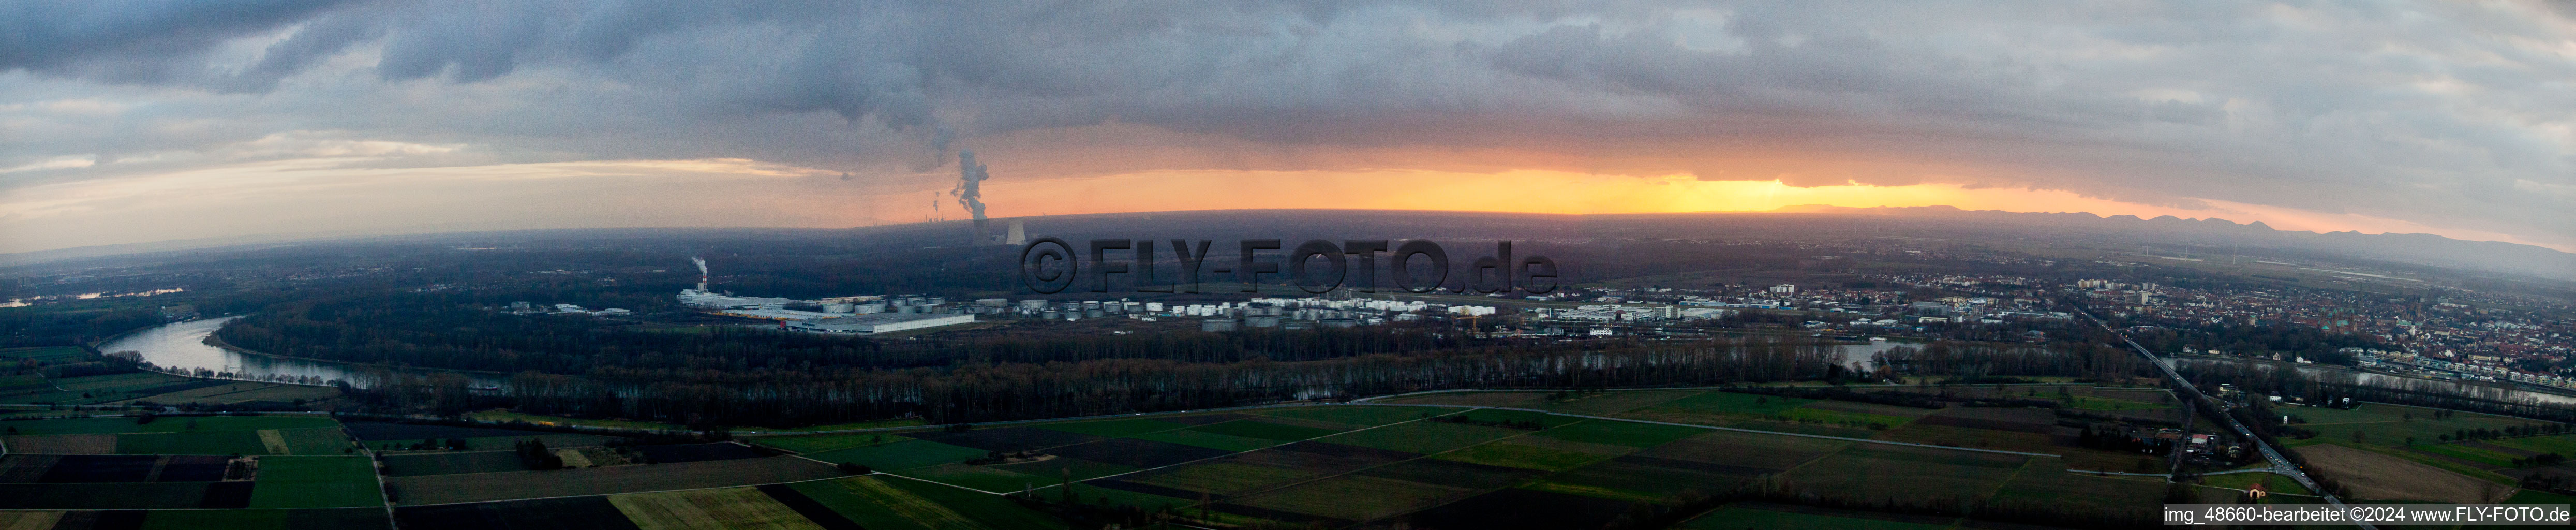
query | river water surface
[182, 346]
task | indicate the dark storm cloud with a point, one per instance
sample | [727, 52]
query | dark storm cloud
[132, 40]
[2434, 112]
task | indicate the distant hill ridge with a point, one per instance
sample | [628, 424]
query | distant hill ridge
[2426, 249]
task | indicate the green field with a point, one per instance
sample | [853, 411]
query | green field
[1355, 416]
[887, 503]
[879, 424]
[316, 482]
[1751, 450]
[298, 441]
[991, 511]
[2102, 403]
[2271, 482]
[1354, 497]
[504, 416]
[98, 389]
[24, 382]
[101, 496]
[192, 443]
[1638, 481]
[42, 354]
[1614, 461]
[1423, 437]
[497, 443]
[240, 393]
[1116, 428]
[1607, 403]
[1058, 467]
[1225, 478]
[1861, 420]
[1265, 430]
[1734, 518]
[1818, 429]
[820, 443]
[1513, 417]
[2539, 497]
[1200, 438]
[985, 478]
[1094, 494]
[315, 519]
[1514, 453]
[2393, 425]
[1501, 398]
[116, 381]
[707, 508]
[451, 462]
[2046, 485]
[876, 505]
[168, 424]
[2469, 453]
[905, 454]
[1716, 408]
[1878, 470]
[1630, 434]
[2563, 444]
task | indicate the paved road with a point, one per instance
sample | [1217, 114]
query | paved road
[2280, 465]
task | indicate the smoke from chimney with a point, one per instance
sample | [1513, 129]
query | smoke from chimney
[970, 190]
[702, 271]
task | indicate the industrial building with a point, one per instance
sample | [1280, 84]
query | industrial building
[871, 324]
[705, 300]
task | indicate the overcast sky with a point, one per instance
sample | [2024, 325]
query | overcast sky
[145, 120]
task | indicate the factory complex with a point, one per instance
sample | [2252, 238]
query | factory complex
[874, 323]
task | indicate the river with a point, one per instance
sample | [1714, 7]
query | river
[2497, 391]
[182, 347]
[1845, 354]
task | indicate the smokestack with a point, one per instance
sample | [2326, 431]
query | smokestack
[702, 272]
[970, 193]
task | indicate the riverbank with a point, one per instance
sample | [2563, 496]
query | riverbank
[216, 341]
[2365, 377]
[189, 349]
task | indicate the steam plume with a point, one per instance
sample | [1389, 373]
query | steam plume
[970, 190]
[702, 271]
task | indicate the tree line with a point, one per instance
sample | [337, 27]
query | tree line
[732, 375]
[1972, 361]
[975, 392]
